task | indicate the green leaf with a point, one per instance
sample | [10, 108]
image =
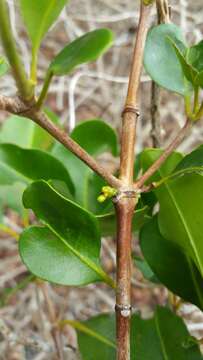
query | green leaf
[163, 337]
[66, 251]
[191, 160]
[3, 66]
[171, 265]
[11, 196]
[84, 49]
[160, 59]
[188, 70]
[195, 56]
[24, 165]
[24, 132]
[96, 137]
[179, 198]
[145, 269]
[107, 221]
[38, 16]
[149, 156]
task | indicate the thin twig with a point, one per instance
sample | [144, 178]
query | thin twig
[18, 107]
[167, 152]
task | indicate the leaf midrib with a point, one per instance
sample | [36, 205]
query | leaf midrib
[163, 347]
[85, 260]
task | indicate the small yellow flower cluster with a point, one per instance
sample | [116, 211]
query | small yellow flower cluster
[107, 193]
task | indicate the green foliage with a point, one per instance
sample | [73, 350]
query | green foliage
[3, 66]
[84, 49]
[23, 132]
[162, 337]
[66, 251]
[38, 16]
[24, 165]
[172, 266]
[160, 58]
[180, 216]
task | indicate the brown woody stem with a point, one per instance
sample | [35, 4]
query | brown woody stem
[18, 107]
[167, 152]
[125, 206]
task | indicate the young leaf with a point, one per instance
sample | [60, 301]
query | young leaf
[164, 336]
[39, 15]
[24, 165]
[23, 132]
[171, 265]
[66, 251]
[84, 49]
[160, 59]
[96, 137]
[3, 66]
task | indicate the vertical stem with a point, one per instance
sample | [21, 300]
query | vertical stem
[125, 205]
[8, 42]
[163, 17]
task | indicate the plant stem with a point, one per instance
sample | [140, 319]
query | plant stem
[44, 91]
[156, 165]
[18, 107]
[163, 17]
[125, 205]
[24, 86]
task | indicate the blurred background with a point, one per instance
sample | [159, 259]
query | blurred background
[93, 91]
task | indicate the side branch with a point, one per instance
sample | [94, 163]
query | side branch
[18, 107]
[167, 152]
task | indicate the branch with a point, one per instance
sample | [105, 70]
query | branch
[125, 206]
[24, 86]
[167, 152]
[18, 107]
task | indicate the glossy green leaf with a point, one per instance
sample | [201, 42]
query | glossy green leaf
[181, 209]
[84, 49]
[160, 59]
[66, 251]
[38, 16]
[163, 337]
[181, 214]
[171, 265]
[23, 132]
[3, 66]
[96, 137]
[145, 269]
[107, 221]
[24, 165]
